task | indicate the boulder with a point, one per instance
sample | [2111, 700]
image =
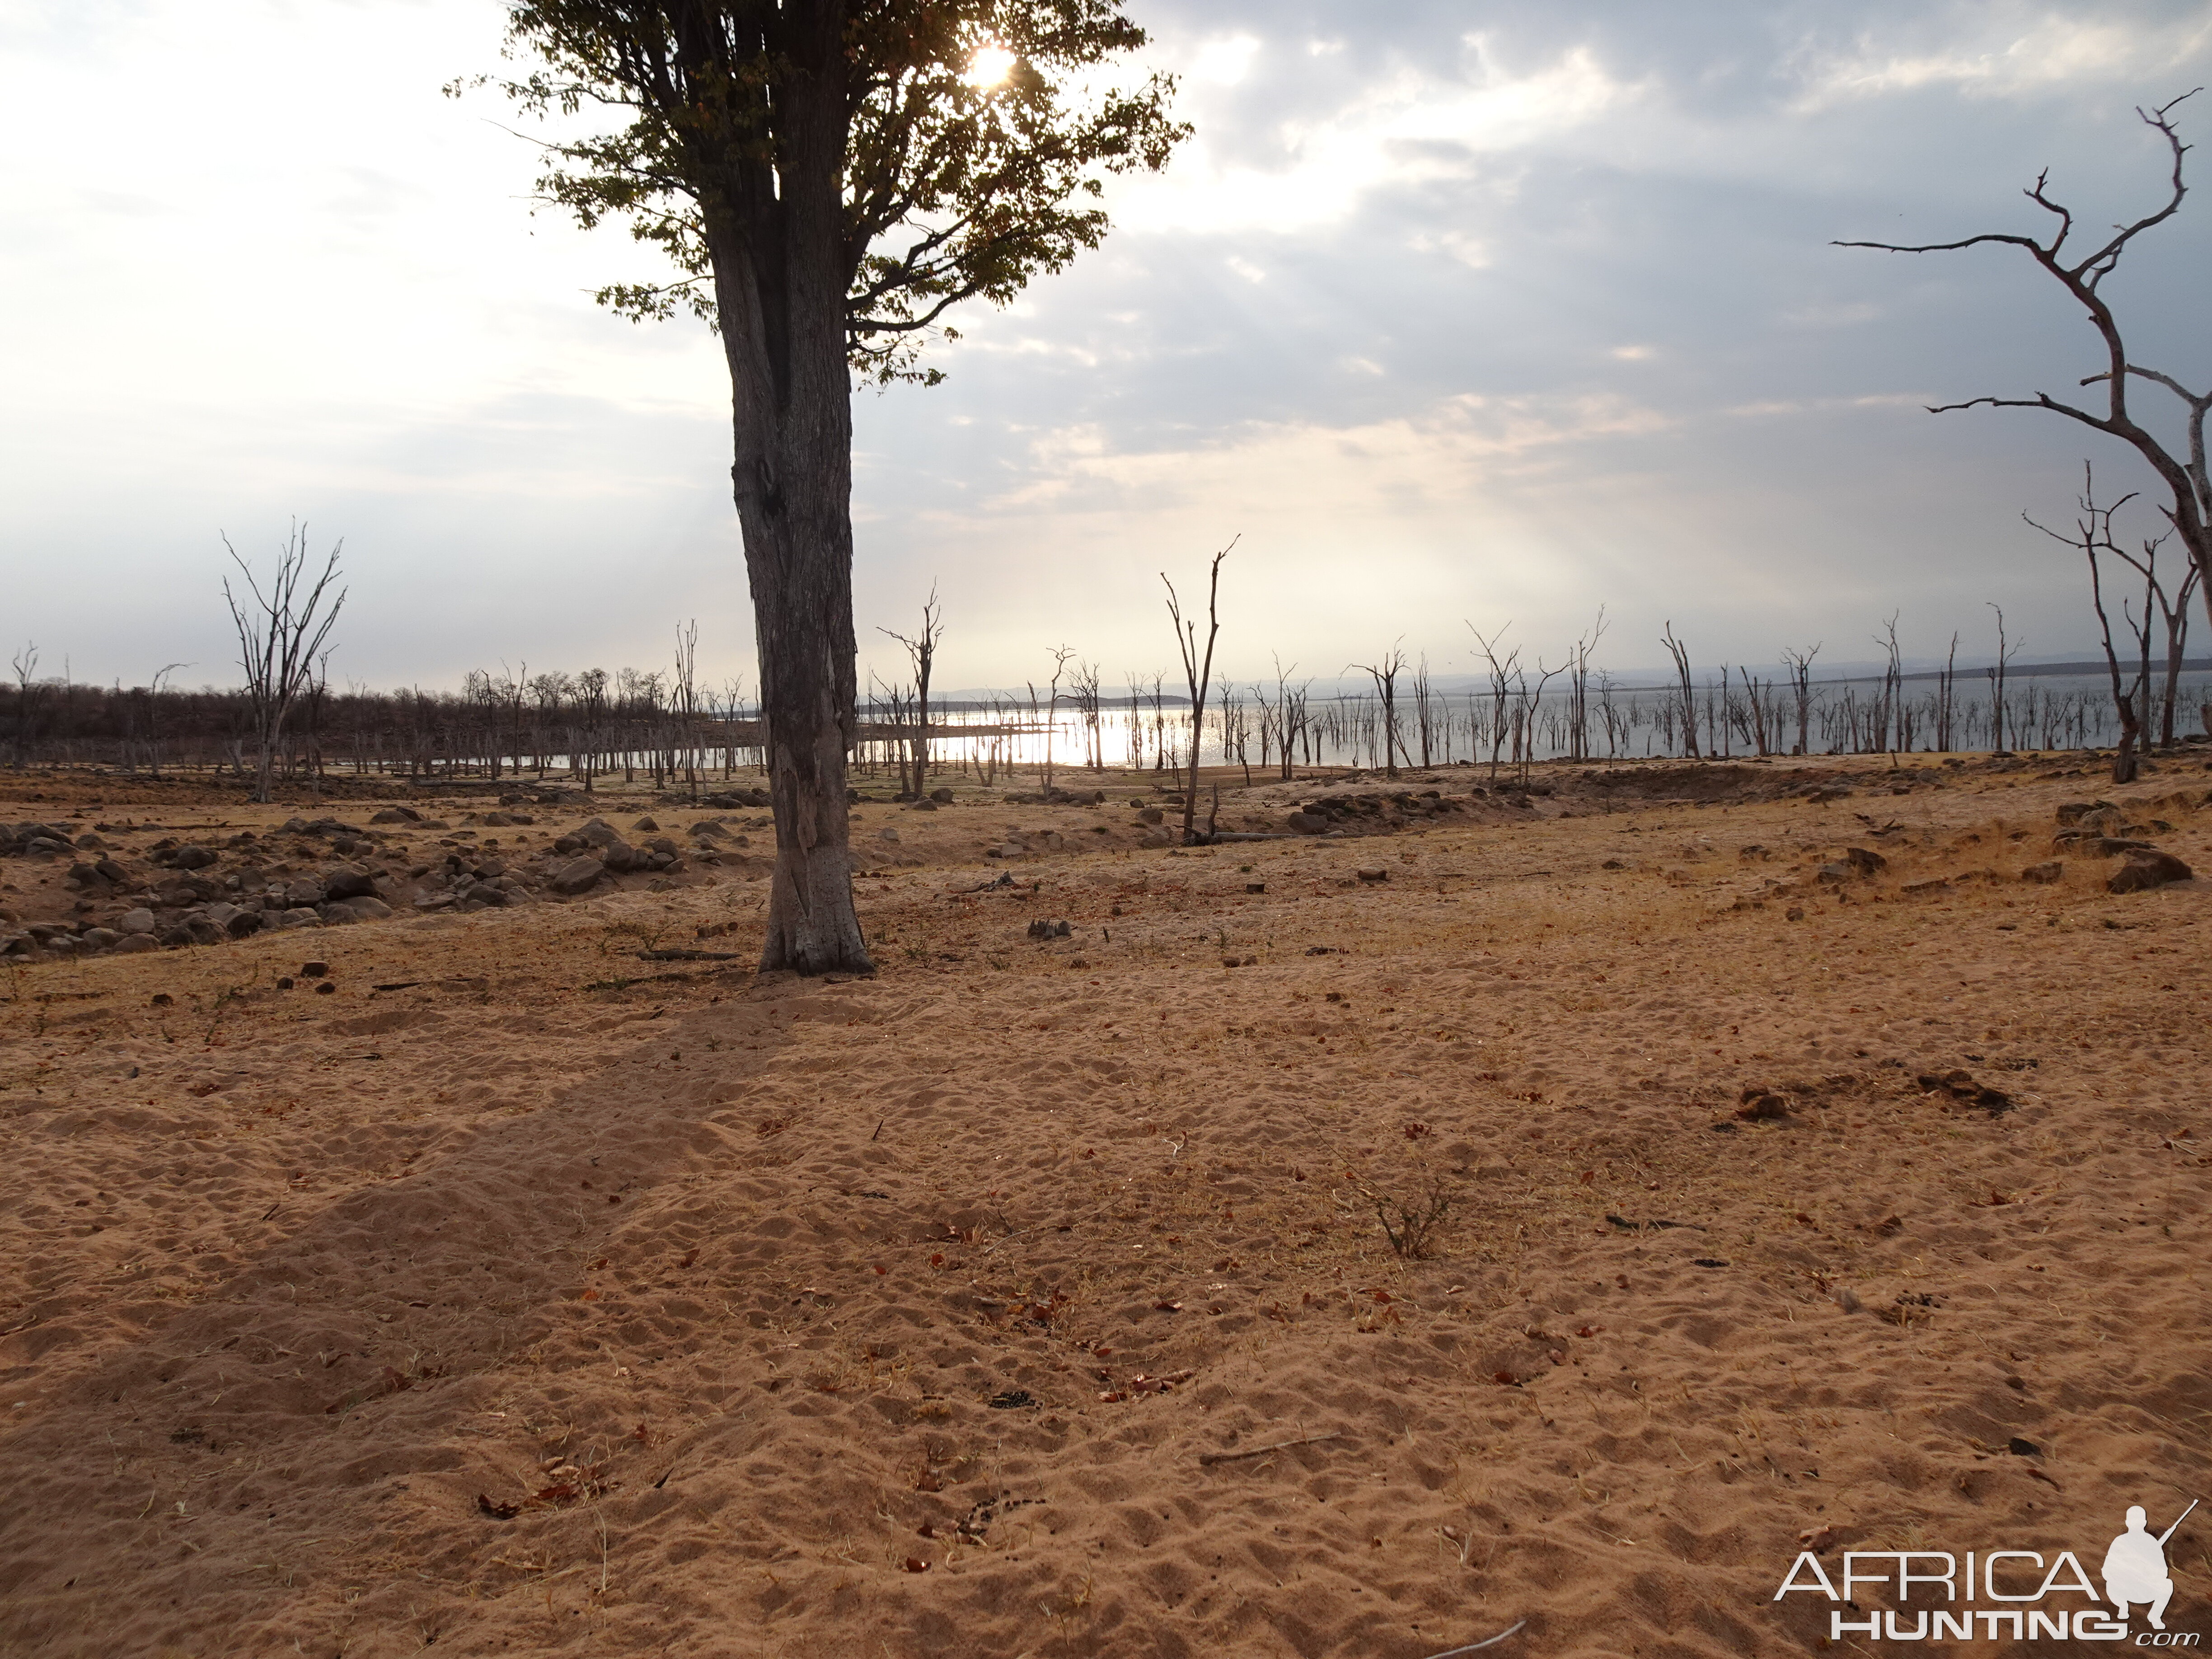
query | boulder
[1309, 823]
[362, 907]
[204, 930]
[942, 797]
[134, 921]
[1864, 861]
[348, 881]
[2144, 870]
[135, 942]
[577, 876]
[887, 834]
[299, 917]
[190, 856]
[647, 824]
[305, 893]
[396, 814]
[99, 939]
[620, 856]
[1160, 835]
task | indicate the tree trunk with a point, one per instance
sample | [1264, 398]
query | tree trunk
[779, 288]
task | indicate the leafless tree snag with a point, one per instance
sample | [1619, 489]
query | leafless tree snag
[1197, 670]
[280, 635]
[2189, 508]
[25, 666]
[1060, 653]
[1385, 673]
[1800, 664]
[1680, 652]
[922, 651]
[2092, 537]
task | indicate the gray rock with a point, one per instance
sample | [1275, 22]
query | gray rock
[647, 824]
[135, 922]
[1309, 823]
[577, 876]
[204, 930]
[619, 855]
[300, 916]
[191, 857]
[99, 939]
[135, 942]
[347, 881]
[942, 797]
[396, 814]
[45, 846]
[305, 893]
[887, 834]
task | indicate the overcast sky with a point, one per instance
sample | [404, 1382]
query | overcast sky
[1455, 312]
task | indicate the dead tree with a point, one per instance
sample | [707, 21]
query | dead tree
[1197, 670]
[1800, 664]
[2173, 615]
[1996, 677]
[280, 635]
[1083, 689]
[1688, 692]
[1502, 673]
[25, 666]
[2092, 537]
[922, 651]
[2189, 506]
[1060, 653]
[1385, 674]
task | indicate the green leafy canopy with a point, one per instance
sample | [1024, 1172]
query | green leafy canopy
[952, 190]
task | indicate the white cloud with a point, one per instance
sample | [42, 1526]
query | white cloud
[2010, 52]
[1224, 63]
[1403, 129]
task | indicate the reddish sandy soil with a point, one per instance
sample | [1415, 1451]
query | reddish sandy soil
[1030, 1298]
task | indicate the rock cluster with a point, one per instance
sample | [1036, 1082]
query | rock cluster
[176, 892]
[1379, 814]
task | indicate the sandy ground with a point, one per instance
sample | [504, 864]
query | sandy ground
[1030, 1298]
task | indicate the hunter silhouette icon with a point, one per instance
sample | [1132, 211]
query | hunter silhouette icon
[2134, 1567]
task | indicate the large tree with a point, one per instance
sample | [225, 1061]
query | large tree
[829, 178]
[2080, 269]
